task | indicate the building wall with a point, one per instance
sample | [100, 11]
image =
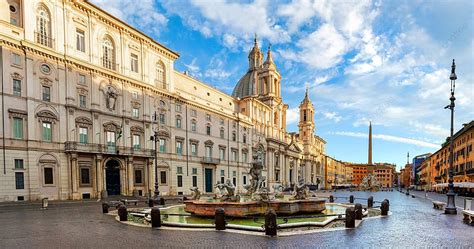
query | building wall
[132, 101]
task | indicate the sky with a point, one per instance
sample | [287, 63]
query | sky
[387, 62]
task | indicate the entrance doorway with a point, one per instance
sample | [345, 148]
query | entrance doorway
[208, 180]
[112, 177]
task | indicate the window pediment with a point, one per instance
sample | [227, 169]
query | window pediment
[83, 121]
[17, 113]
[16, 76]
[136, 130]
[46, 81]
[209, 142]
[47, 116]
[111, 126]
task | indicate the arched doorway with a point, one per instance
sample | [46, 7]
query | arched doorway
[112, 177]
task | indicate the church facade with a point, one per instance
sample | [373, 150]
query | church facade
[83, 92]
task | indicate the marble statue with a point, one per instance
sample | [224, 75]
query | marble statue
[257, 179]
[196, 193]
[300, 190]
[278, 189]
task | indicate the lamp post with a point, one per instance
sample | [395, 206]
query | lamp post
[451, 207]
[154, 138]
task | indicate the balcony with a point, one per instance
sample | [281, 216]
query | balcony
[109, 64]
[72, 146]
[44, 40]
[161, 84]
[210, 160]
[470, 171]
[458, 173]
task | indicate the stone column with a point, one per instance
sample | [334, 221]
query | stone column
[123, 178]
[75, 177]
[130, 176]
[98, 174]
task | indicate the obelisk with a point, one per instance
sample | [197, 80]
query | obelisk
[370, 144]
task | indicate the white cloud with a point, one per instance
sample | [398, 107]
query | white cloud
[388, 138]
[143, 15]
[292, 115]
[332, 116]
[235, 22]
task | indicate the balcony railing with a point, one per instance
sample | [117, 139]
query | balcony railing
[470, 171]
[72, 146]
[210, 160]
[43, 39]
[108, 63]
[161, 84]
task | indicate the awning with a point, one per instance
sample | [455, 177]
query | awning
[456, 185]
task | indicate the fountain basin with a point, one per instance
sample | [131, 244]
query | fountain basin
[255, 208]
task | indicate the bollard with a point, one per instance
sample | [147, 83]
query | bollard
[351, 199]
[387, 201]
[408, 192]
[350, 217]
[384, 207]
[162, 201]
[105, 208]
[220, 219]
[370, 202]
[358, 211]
[122, 212]
[155, 217]
[331, 199]
[44, 203]
[271, 223]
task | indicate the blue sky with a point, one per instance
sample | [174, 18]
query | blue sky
[382, 61]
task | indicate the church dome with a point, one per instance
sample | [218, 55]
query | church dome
[245, 86]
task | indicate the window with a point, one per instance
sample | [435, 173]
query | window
[178, 122]
[221, 153]
[234, 155]
[180, 181]
[221, 121]
[48, 175]
[82, 79]
[83, 135]
[135, 112]
[85, 176]
[136, 142]
[47, 133]
[195, 171]
[80, 40]
[179, 170]
[208, 151]
[13, 15]
[138, 176]
[194, 149]
[163, 177]
[244, 139]
[244, 178]
[162, 145]
[193, 125]
[108, 53]
[179, 148]
[82, 101]
[208, 117]
[134, 63]
[178, 107]
[135, 95]
[221, 133]
[193, 113]
[110, 139]
[162, 118]
[208, 130]
[43, 27]
[160, 75]
[16, 59]
[233, 136]
[18, 128]
[244, 157]
[19, 164]
[195, 181]
[46, 93]
[19, 180]
[222, 172]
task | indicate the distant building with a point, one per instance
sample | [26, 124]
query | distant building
[416, 167]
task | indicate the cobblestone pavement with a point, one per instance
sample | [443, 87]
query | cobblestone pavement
[413, 224]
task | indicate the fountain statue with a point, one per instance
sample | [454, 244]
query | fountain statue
[196, 194]
[369, 183]
[261, 198]
[300, 191]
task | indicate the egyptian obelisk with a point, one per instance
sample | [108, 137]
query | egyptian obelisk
[370, 144]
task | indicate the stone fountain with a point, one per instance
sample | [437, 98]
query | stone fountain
[257, 200]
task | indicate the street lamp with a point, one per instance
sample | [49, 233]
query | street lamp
[156, 196]
[451, 207]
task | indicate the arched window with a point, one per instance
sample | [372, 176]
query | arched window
[160, 75]
[108, 53]
[43, 26]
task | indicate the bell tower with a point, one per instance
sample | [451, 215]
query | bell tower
[255, 56]
[306, 124]
[269, 78]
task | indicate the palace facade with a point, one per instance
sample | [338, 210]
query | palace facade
[83, 92]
